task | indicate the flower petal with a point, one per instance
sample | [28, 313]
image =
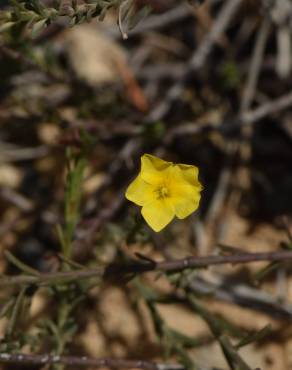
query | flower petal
[158, 214]
[140, 192]
[185, 194]
[185, 206]
[153, 169]
[190, 174]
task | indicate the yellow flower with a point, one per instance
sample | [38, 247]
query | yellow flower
[165, 190]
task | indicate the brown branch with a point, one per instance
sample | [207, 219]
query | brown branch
[247, 118]
[85, 362]
[268, 108]
[194, 262]
[255, 65]
[197, 60]
[117, 271]
[242, 295]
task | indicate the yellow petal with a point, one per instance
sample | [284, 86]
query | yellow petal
[139, 191]
[150, 162]
[158, 214]
[185, 206]
[189, 173]
[185, 195]
[153, 169]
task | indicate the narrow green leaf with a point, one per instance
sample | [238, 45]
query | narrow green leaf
[6, 26]
[265, 271]
[22, 266]
[15, 314]
[266, 330]
[38, 26]
[6, 307]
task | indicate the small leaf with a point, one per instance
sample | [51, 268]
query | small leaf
[80, 18]
[38, 26]
[125, 9]
[185, 359]
[230, 250]
[16, 312]
[73, 21]
[6, 307]
[22, 266]
[145, 258]
[266, 330]
[187, 341]
[265, 271]
[89, 15]
[137, 17]
[6, 26]
[103, 14]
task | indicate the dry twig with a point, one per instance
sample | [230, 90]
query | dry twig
[197, 60]
[85, 362]
[115, 271]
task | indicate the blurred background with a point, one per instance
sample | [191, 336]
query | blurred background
[203, 83]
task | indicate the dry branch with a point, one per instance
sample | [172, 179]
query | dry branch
[115, 271]
[198, 59]
[85, 362]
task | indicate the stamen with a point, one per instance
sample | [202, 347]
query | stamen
[162, 192]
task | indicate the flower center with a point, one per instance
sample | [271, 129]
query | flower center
[162, 192]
